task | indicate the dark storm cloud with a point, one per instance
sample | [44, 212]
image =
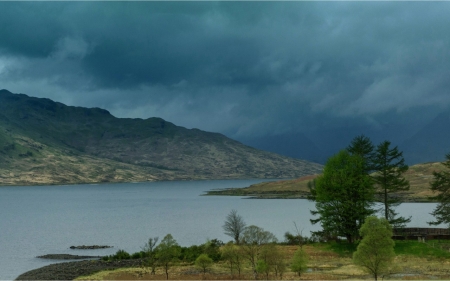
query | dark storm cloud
[241, 68]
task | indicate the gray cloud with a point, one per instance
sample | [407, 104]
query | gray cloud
[240, 68]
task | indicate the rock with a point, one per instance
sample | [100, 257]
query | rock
[92, 247]
[66, 257]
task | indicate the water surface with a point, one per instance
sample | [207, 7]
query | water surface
[39, 220]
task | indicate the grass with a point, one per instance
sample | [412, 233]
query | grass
[432, 248]
[327, 261]
[343, 249]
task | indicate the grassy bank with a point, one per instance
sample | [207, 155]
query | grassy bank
[419, 177]
[327, 261]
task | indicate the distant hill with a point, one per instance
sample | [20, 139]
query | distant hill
[46, 142]
[419, 177]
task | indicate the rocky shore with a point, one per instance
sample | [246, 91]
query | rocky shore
[66, 257]
[90, 247]
[72, 270]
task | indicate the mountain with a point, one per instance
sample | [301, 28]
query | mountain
[46, 142]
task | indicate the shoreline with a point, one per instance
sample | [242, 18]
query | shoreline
[74, 269]
[289, 194]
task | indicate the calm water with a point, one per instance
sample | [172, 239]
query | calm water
[49, 219]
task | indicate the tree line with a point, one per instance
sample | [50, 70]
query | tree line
[253, 247]
[358, 177]
[352, 182]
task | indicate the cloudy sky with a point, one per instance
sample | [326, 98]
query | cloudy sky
[249, 70]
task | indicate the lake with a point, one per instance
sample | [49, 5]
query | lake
[39, 220]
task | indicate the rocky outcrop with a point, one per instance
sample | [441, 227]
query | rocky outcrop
[92, 247]
[72, 270]
[66, 257]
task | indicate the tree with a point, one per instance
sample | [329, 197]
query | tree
[232, 254]
[299, 262]
[149, 250]
[362, 146]
[441, 185]
[343, 196]
[390, 165]
[234, 225]
[271, 259]
[167, 253]
[263, 268]
[375, 252]
[203, 262]
[254, 239]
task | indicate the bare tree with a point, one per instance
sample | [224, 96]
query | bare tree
[232, 255]
[234, 225]
[253, 240]
[149, 249]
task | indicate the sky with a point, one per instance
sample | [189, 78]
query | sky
[270, 74]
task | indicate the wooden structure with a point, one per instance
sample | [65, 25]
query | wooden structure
[421, 233]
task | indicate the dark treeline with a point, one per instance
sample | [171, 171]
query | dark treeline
[359, 176]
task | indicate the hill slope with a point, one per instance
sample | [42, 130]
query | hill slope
[419, 177]
[42, 141]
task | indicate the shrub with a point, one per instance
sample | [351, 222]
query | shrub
[120, 255]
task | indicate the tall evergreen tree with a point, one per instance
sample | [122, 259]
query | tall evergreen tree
[389, 165]
[343, 195]
[362, 146]
[441, 185]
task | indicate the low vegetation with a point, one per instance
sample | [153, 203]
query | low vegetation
[259, 255]
[324, 261]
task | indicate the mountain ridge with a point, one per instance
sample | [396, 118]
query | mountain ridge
[34, 130]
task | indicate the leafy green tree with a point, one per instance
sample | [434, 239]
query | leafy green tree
[389, 166]
[232, 254]
[203, 262]
[343, 195]
[441, 185]
[254, 239]
[167, 253]
[150, 253]
[375, 252]
[263, 268]
[299, 262]
[234, 226]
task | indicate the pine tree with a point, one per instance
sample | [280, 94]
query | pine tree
[441, 185]
[390, 165]
[362, 146]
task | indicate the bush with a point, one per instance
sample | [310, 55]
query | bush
[212, 249]
[190, 254]
[138, 255]
[120, 255]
